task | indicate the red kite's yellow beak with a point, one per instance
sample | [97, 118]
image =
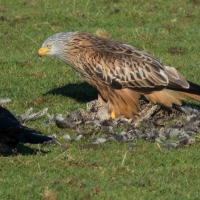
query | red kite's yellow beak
[43, 52]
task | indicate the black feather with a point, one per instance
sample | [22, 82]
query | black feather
[193, 89]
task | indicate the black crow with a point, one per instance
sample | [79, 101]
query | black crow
[13, 132]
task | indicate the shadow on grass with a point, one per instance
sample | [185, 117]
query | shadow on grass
[81, 92]
[24, 150]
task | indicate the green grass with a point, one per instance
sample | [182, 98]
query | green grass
[167, 29]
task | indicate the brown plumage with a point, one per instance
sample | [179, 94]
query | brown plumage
[120, 72]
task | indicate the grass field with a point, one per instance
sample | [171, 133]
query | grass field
[167, 29]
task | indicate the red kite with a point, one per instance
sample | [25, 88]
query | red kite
[120, 72]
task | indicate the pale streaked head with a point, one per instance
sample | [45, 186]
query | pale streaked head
[54, 45]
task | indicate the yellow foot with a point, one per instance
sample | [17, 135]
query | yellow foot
[112, 115]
